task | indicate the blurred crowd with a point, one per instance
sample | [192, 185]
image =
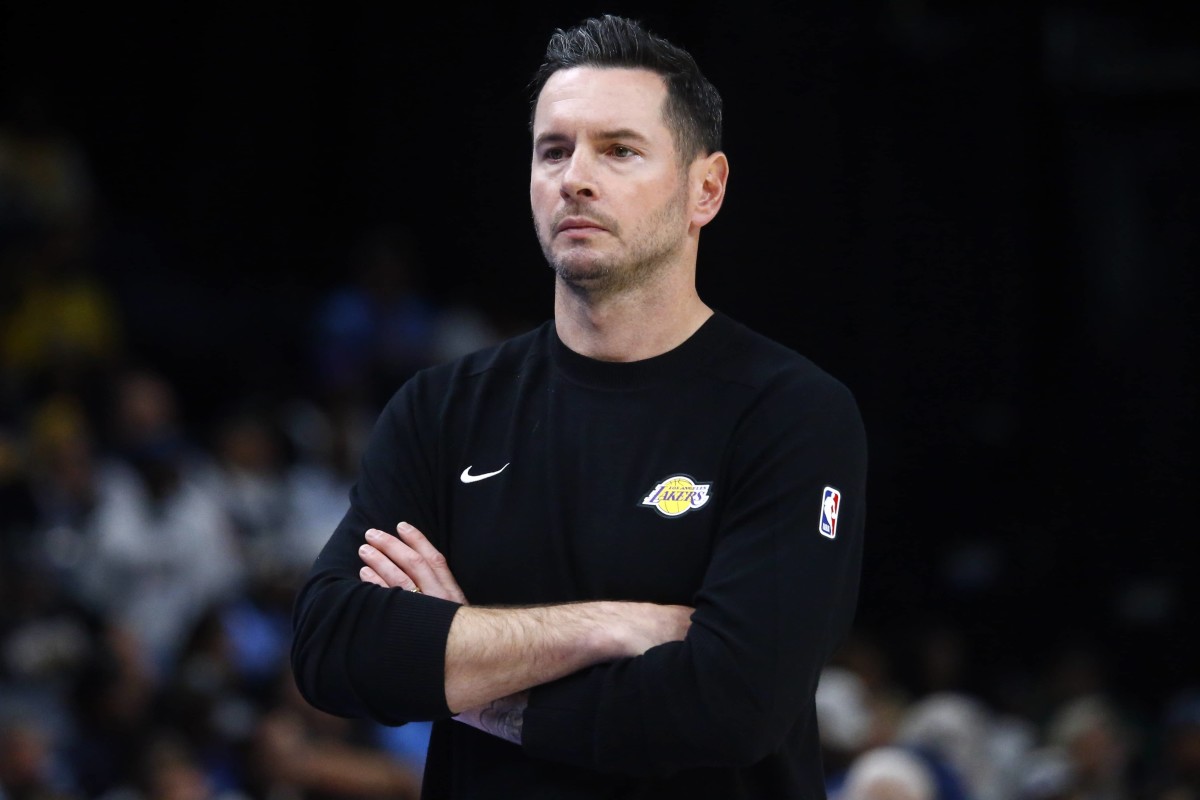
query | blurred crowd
[148, 561]
[1069, 738]
[150, 549]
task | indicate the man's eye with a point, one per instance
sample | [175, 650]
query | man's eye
[621, 151]
[554, 154]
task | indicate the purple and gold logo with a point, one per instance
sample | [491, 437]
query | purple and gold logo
[677, 495]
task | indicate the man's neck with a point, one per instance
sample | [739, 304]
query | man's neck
[630, 326]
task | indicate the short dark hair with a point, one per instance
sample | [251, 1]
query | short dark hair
[693, 106]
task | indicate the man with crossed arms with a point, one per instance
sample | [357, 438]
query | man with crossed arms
[655, 513]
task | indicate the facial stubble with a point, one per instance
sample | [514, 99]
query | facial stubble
[652, 248]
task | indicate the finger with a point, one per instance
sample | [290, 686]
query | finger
[411, 536]
[408, 561]
[368, 575]
[390, 575]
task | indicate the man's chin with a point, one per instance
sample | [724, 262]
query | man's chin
[581, 271]
[591, 282]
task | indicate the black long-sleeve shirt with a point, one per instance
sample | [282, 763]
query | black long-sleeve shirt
[727, 474]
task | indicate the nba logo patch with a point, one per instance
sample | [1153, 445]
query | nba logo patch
[829, 511]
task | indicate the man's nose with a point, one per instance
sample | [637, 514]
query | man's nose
[579, 178]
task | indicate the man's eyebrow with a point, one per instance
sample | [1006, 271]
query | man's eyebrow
[625, 134]
[550, 138]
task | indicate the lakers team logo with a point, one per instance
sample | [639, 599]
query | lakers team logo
[677, 495]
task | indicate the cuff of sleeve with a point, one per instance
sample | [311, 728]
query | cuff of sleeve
[412, 656]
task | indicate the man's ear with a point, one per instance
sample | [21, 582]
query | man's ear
[708, 176]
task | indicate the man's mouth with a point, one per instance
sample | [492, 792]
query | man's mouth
[578, 225]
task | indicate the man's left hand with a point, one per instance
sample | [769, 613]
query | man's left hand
[409, 562]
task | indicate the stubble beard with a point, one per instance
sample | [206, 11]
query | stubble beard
[587, 272]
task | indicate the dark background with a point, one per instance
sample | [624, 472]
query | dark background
[982, 219]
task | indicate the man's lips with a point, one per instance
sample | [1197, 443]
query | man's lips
[578, 225]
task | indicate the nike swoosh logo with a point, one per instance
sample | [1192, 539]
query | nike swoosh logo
[467, 477]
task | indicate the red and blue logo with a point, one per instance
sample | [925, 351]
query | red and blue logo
[830, 504]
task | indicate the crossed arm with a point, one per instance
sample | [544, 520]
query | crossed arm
[494, 655]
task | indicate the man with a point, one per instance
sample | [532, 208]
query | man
[655, 513]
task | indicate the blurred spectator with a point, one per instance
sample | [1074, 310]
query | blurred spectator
[27, 765]
[1177, 776]
[63, 462]
[207, 703]
[111, 703]
[59, 326]
[17, 512]
[250, 479]
[1047, 776]
[889, 773]
[1011, 744]
[60, 331]
[258, 626]
[144, 416]
[28, 480]
[863, 655]
[328, 442]
[46, 630]
[951, 731]
[141, 540]
[844, 719]
[1097, 747]
[1077, 668]
[45, 181]
[374, 332]
[169, 770]
[307, 753]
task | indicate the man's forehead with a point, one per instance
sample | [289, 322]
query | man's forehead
[607, 96]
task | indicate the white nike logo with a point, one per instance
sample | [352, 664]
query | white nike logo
[467, 477]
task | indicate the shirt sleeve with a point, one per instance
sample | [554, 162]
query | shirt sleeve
[359, 650]
[778, 596]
